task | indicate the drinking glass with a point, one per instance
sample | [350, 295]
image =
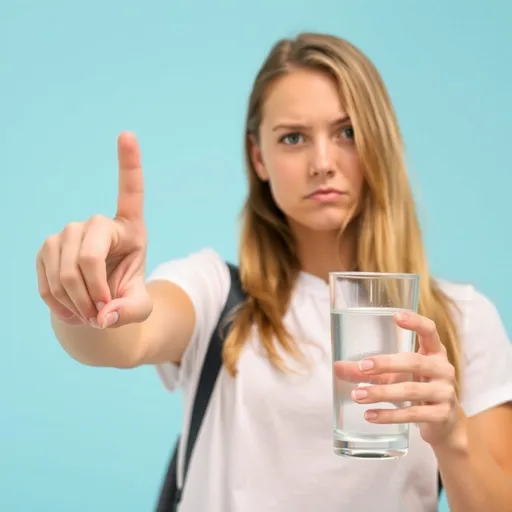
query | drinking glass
[363, 305]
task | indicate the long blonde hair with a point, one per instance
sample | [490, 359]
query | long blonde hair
[389, 237]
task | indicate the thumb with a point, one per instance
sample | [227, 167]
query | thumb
[131, 309]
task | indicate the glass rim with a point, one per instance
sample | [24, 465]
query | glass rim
[373, 275]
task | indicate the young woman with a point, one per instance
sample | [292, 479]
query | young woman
[328, 191]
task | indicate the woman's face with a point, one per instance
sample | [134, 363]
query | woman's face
[306, 152]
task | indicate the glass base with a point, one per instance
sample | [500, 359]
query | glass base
[371, 447]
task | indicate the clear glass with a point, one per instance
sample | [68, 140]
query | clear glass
[363, 305]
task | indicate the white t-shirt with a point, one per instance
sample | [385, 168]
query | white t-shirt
[266, 440]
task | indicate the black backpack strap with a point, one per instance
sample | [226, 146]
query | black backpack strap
[170, 495]
[212, 365]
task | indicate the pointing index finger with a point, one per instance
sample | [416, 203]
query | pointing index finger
[130, 198]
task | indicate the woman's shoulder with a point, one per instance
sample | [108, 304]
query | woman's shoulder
[481, 324]
[458, 292]
[200, 261]
[468, 299]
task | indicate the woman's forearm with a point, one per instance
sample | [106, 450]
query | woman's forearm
[473, 480]
[118, 348]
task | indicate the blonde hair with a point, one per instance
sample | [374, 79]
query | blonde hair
[389, 237]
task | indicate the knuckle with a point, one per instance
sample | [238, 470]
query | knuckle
[449, 394]
[45, 293]
[72, 227]
[416, 362]
[442, 413]
[445, 368]
[437, 414]
[429, 326]
[412, 391]
[98, 219]
[68, 277]
[414, 414]
[139, 240]
[88, 258]
[58, 292]
[50, 243]
[442, 392]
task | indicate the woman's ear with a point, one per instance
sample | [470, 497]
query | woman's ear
[257, 158]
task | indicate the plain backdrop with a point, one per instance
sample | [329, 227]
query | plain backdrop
[74, 74]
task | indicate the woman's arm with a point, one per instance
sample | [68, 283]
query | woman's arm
[476, 464]
[162, 337]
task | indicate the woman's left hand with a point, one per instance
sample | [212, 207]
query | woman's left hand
[434, 405]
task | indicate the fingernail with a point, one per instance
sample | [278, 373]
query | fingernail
[359, 394]
[100, 306]
[403, 315]
[370, 415]
[110, 319]
[366, 364]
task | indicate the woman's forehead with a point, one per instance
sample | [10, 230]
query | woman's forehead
[303, 97]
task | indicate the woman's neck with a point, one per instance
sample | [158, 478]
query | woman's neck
[321, 252]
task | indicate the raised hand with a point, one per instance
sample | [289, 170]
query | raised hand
[92, 272]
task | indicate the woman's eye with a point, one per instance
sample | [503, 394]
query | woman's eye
[292, 139]
[347, 132]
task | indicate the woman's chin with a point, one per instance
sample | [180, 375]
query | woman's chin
[319, 223]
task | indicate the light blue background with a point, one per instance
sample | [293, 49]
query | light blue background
[74, 74]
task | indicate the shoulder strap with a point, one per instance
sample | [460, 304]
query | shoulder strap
[212, 365]
[170, 494]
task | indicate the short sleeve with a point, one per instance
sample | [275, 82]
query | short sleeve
[204, 277]
[487, 352]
